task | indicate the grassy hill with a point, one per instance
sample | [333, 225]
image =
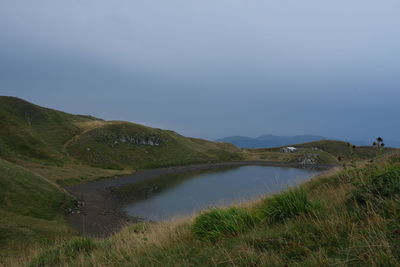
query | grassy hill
[119, 145]
[345, 218]
[68, 148]
[33, 133]
[343, 149]
[31, 210]
[320, 152]
[43, 149]
[269, 141]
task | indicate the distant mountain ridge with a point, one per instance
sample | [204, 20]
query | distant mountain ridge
[268, 140]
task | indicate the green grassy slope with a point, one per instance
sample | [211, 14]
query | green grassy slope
[41, 147]
[31, 210]
[56, 144]
[344, 218]
[339, 148]
[322, 152]
[127, 145]
[32, 133]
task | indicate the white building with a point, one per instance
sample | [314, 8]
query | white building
[289, 149]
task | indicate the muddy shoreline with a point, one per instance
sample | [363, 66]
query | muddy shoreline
[99, 213]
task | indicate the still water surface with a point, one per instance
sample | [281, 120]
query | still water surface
[183, 194]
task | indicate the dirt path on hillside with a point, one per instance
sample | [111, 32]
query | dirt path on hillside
[99, 213]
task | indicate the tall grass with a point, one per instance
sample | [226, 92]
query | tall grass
[381, 183]
[216, 223]
[64, 253]
[288, 204]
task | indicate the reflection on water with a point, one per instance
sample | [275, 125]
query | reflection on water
[182, 194]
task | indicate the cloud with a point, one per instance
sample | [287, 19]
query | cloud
[209, 68]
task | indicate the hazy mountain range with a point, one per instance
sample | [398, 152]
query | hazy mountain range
[269, 140]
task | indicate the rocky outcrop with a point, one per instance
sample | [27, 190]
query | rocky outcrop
[308, 159]
[121, 138]
[151, 140]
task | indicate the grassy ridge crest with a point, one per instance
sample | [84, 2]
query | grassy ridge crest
[119, 145]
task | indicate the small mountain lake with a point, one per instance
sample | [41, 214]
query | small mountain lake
[184, 193]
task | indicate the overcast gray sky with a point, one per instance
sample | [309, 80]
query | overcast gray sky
[210, 68]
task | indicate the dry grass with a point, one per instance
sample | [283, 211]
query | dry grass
[343, 233]
[73, 173]
[90, 125]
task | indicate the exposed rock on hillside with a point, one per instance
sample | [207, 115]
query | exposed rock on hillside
[115, 139]
[308, 159]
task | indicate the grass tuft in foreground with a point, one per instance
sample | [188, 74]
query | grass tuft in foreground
[288, 204]
[216, 223]
[381, 183]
